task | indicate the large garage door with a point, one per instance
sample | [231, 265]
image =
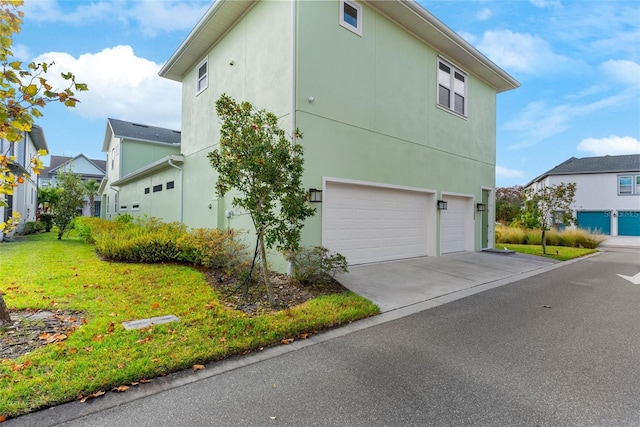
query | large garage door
[596, 221]
[370, 224]
[628, 223]
[454, 224]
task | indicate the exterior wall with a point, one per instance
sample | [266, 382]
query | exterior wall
[135, 155]
[24, 197]
[132, 200]
[374, 115]
[259, 46]
[599, 192]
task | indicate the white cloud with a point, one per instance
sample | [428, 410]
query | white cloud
[623, 71]
[121, 85]
[612, 145]
[502, 172]
[484, 14]
[153, 16]
[522, 53]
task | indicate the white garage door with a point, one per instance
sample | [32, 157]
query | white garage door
[370, 224]
[453, 225]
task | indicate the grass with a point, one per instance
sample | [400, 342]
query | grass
[571, 237]
[43, 273]
[561, 253]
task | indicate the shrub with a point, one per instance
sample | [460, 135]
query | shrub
[316, 264]
[212, 248]
[47, 221]
[571, 237]
[32, 227]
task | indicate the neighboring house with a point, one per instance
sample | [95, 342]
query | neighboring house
[398, 114]
[143, 171]
[88, 169]
[24, 198]
[607, 192]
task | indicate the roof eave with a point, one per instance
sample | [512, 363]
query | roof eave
[38, 138]
[156, 166]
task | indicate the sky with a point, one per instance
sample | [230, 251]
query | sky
[578, 63]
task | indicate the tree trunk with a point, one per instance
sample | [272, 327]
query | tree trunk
[544, 242]
[265, 272]
[4, 312]
[92, 207]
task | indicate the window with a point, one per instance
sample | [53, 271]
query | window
[351, 16]
[107, 204]
[452, 88]
[146, 190]
[628, 185]
[157, 188]
[123, 208]
[170, 185]
[113, 157]
[135, 206]
[203, 81]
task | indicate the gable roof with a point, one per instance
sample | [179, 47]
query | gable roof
[590, 165]
[409, 14]
[57, 162]
[139, 132]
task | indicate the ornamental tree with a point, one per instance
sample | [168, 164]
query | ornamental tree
[70, 200]
[548, 206]
[265, 166]
[24, 92]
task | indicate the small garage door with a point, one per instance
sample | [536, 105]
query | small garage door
[595, 221]
[371, 224]
[628, 223]
[454, 224]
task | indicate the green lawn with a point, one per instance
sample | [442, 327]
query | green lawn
[561, 253]
[43, 273]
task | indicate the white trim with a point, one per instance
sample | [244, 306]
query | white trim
[451, 87]
[199, 89]
[135, 206]
[358, 28]
[326, 179]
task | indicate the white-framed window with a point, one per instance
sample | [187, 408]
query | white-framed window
[203, 73]
[123, 208]
[351, 16]
[628, 185]
[135, 206]
[452, 87]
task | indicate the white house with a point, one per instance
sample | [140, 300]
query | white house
[24, 198]
[607, 192]
[88, 169]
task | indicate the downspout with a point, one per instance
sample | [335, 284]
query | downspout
[294, 34]
[180, 209]
[116, 210]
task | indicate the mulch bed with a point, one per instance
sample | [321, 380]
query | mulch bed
[30, 329]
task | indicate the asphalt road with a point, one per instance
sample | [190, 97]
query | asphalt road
[560, 348]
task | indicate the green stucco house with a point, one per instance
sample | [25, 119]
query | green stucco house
[398, 114]
[143, 171]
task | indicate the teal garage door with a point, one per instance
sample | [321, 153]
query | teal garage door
[628, 223]
[597, 221]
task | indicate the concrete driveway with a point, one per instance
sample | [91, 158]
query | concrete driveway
[431, 281]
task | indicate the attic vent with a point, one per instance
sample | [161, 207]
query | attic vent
[139, 125]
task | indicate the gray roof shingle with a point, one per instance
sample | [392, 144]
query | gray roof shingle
[141, 132]
[589, 165]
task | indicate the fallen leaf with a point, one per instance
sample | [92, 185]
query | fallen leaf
[98, 337]
[112, 314]
[16, 367]
[286, 341]
[144, 381]
[120, 389]
[304, 336]
[87, 349]
[111, 327]
[145, 340]
[92, 396]
[155, 305]
[223, 339]
[51, 338]
[3, 418]
[197, 367]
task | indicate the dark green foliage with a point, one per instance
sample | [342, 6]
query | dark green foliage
[32, 227]
[316, 263]
[47, 221]
[69, 202]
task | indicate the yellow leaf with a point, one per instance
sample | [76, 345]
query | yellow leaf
[42, 152]
[30, 90]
